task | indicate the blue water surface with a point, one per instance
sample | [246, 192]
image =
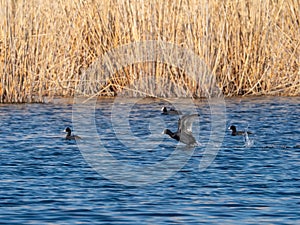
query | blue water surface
[46, 179]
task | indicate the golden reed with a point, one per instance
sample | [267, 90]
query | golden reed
[252, 46]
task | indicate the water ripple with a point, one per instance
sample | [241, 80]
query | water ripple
[45, 179]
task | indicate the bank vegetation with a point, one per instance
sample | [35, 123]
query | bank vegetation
[247, 47]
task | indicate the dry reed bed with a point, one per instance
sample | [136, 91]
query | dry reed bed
[251, 46]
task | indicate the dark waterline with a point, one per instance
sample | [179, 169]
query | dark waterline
[45, 179]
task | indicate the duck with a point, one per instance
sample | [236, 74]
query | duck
[237, 133]
[184, 131]
[69, 136]
[171, 111]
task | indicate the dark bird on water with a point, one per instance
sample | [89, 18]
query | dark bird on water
[69, 136]
[234, 132]
[171, 111]
[184, 132]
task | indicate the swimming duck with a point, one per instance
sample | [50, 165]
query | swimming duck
[69, 136]
[184, 131]
[235, 132]
[171, 111]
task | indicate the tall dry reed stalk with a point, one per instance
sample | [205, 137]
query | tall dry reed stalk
[251, 46]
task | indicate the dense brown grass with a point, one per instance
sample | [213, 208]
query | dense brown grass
[251, 46]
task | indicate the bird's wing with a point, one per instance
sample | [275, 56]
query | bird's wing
[185, 122]
[179, 125]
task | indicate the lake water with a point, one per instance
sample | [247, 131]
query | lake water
[125, 171]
